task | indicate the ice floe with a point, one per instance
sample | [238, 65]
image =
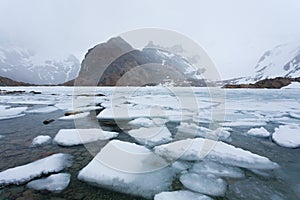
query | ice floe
[12, 112]
[41, 140]
[204, 183]
[146, 122]
[54, 183]
[151, 136]
[259, 132]
[75, 116]
[24, 173]
[71, 137]
[47, 109]
[181, 195]
[287, 135]
[218, 169]
[128, 168]
[199, 148]
[186, 130]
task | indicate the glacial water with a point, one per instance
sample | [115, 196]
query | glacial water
[263, 108]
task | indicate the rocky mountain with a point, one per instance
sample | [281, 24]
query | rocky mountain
[22, 64]
[117, 63]
[9, 82]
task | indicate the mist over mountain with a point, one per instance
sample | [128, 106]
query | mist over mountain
[23, 64]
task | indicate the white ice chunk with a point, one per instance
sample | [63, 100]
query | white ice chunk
[141, 122]
[181, 195]
[204, 183]
[146, 122]
[259, 132]
[12, 112]
[151, 136]
[186, 130]
[199, 148]
[218, 169]
[54, 183]
[287, 135]
[24, 173]
[128, 168]
[76, 116]
[70, 137]
[41, 140]
[294, 115]
[47, 109]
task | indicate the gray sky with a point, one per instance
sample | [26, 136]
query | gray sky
[235, 33]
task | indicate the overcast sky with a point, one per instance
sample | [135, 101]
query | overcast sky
[235, 33]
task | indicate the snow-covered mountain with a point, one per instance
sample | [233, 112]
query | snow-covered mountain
[22, 64]
[281, 61]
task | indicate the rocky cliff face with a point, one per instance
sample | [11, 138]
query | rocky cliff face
[117, 63]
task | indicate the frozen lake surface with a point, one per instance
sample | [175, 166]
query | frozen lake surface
[225, 144]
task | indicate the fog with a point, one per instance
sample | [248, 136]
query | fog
[234, 33]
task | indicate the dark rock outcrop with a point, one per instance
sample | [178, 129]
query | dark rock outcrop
[117, 63]
[273, 83]
[9, 82]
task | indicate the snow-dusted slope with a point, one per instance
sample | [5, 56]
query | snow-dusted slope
[22, 64]
[283, 60]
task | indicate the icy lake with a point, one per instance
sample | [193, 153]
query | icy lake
[149, 143]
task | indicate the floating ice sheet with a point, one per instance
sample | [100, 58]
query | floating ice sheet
[287, 135]
[181, 195]
[41, 140]
[218, 169]
[199, 148]
[204, 183]
[71, 137]
[186, 130]
[54, 183]
[12, 112]
[128, 168]
[151, 136]
[47, 109]
[24, 173]
[259, 132]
